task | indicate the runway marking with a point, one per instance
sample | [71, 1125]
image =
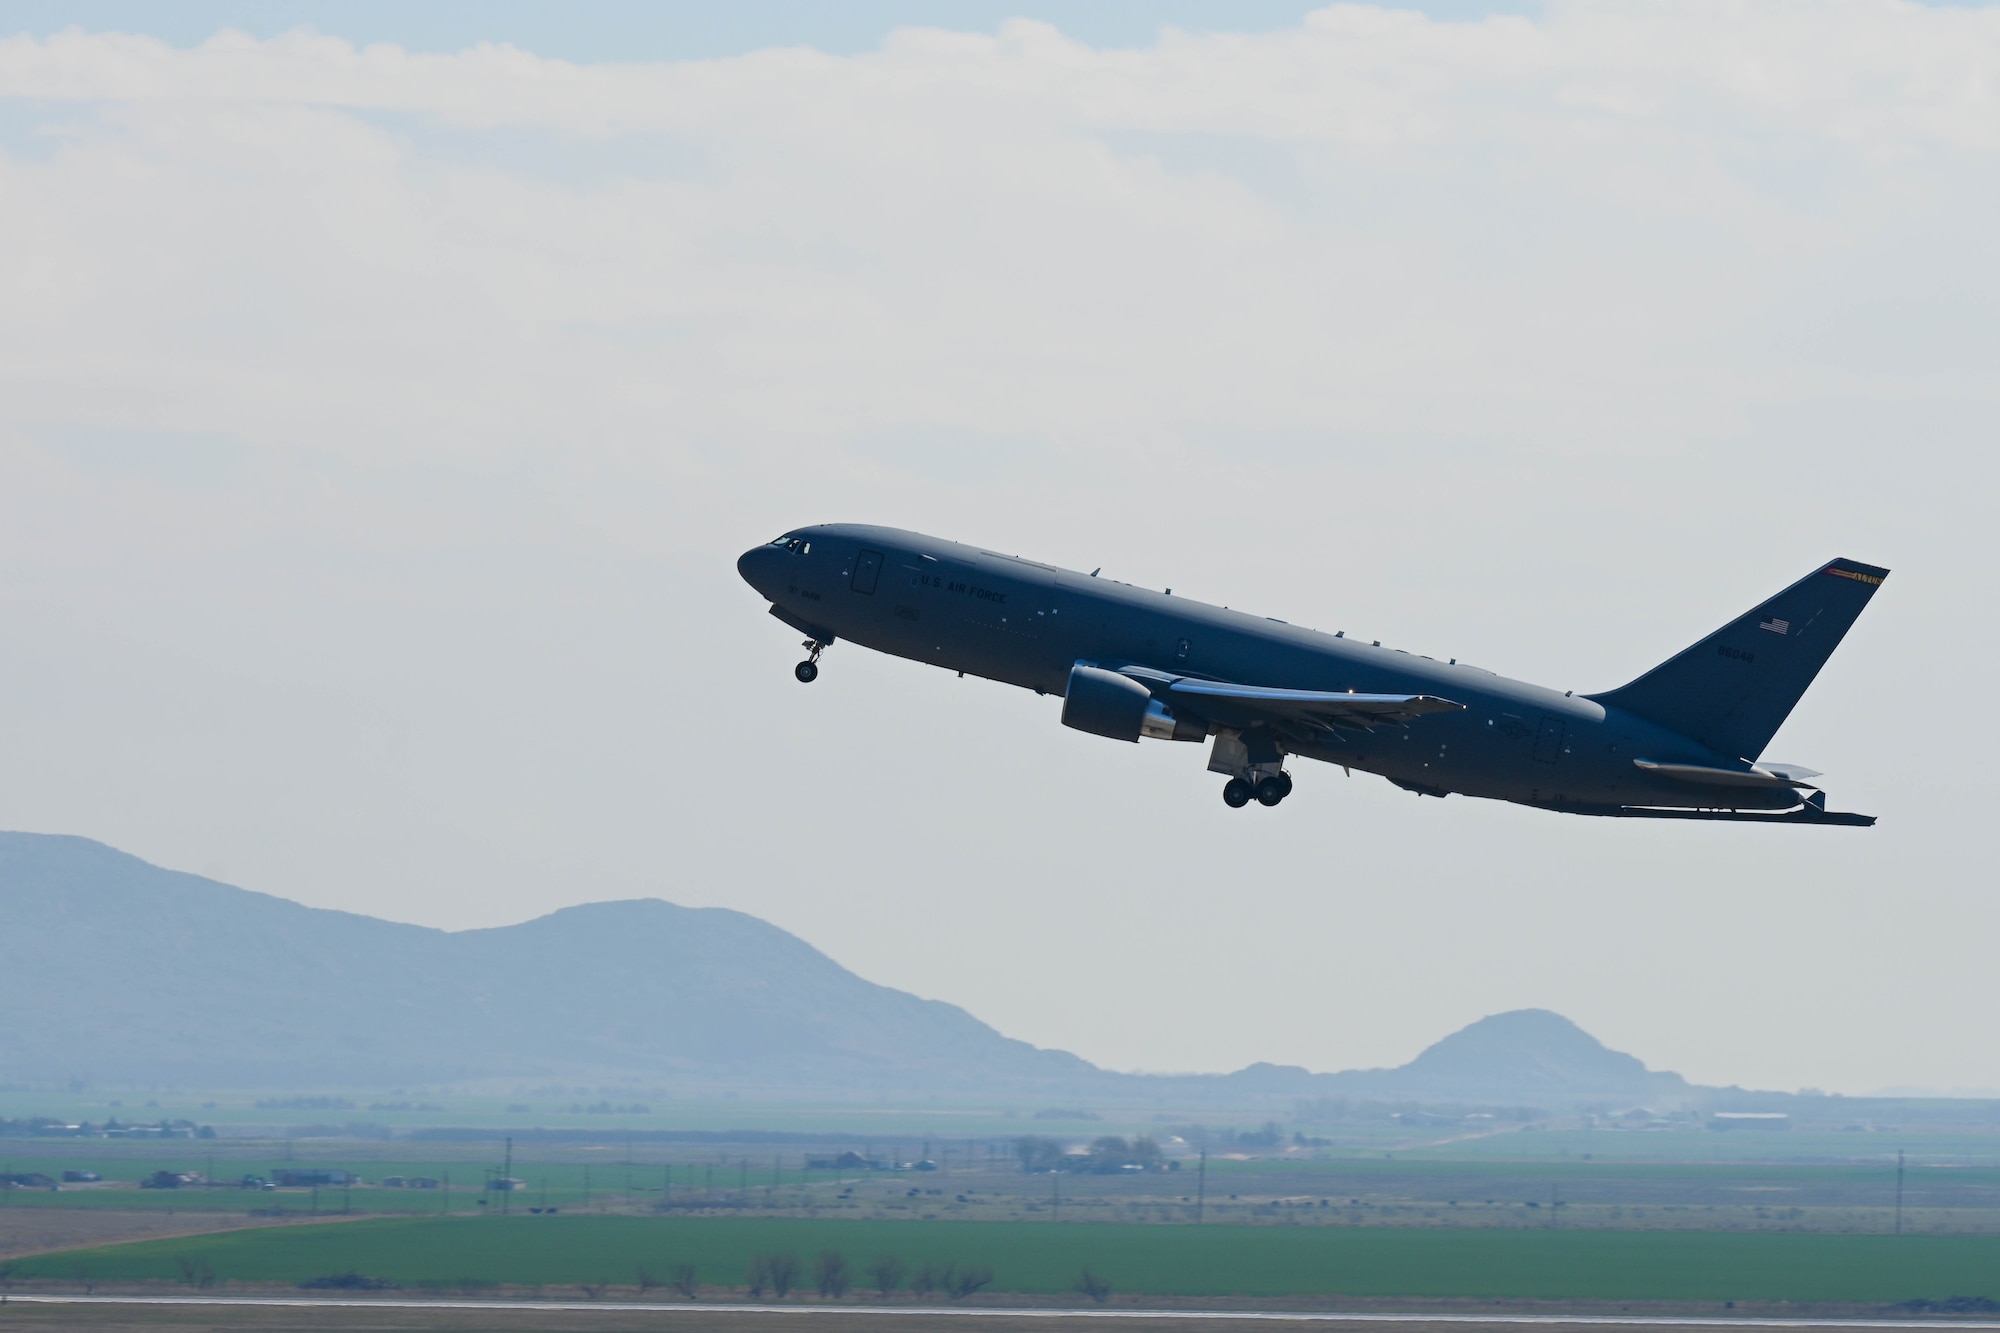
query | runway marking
[1006, 1312]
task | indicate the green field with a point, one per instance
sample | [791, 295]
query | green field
[1047, 1258]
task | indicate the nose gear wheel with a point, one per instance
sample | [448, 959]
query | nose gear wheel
[808, 670]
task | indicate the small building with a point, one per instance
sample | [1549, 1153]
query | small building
[847, 1161]
[392, 1182]
[506, 1184]
[1765, 1120]
[27, 1180]
[169, 1180]
[80, 1177]
[294, 1179]
[423, 1183]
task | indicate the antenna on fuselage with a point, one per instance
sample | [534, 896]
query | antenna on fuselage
[1095, 572]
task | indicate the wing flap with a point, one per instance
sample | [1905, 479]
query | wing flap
[1313, 710]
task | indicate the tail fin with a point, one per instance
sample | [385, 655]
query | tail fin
[1735, 688]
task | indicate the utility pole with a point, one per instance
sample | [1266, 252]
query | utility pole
[1899, 1191]
[586, 1189]
[1200, 1186]
[507, 1181]
[666, 1184]
[1055, 1195]
[444, 1203]
[346, 1193]
[1555, 1202]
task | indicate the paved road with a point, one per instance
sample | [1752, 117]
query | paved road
[907, 1318]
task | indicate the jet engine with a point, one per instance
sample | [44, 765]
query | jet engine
[1105, 703]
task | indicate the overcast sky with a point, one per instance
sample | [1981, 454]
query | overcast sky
[387, 391]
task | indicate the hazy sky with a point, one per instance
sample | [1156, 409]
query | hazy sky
[384, 402]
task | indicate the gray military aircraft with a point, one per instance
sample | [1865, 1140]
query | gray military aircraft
[1683, 741]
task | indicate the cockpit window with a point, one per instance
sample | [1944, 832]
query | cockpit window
[796, 545]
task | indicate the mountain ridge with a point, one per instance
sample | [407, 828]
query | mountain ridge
[163, 976]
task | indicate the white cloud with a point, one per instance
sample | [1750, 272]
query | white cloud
[471, 373]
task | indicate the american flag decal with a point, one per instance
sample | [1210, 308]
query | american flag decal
[1775, 625]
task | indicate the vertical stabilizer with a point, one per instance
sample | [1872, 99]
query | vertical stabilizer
[1734, 689]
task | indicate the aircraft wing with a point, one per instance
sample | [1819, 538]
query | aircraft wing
[1301, 711]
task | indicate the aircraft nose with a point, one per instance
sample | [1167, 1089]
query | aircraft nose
[755, 567]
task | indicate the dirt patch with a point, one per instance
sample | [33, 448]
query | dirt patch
[25, 1231]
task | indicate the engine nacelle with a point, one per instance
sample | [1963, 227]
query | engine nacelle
[1105, 703]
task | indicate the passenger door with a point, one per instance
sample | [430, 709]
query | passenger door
[867, 569]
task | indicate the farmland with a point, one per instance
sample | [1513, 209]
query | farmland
[977, 1180]
[1046, 1258]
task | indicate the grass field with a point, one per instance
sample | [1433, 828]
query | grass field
[1047, 1258]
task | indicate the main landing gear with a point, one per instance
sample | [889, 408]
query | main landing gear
[1254, 762]
[808, 670]
[1267, 790]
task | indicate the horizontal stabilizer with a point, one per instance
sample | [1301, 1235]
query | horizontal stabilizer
[1726, 777]
[1788, 770]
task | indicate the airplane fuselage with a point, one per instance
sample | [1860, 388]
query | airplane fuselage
[1027, 624]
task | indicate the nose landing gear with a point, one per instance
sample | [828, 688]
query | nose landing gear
[808, 670]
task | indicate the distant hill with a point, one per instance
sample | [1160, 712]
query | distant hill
[118, 971]
[1525, 1057]
[1531, 1056]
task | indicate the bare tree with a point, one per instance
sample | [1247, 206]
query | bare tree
[198, 1272]
[592, 1290]
[783, 1270]
[925, 1280]
[1038, 1154]
[833, 1276]
[647, 1279]
[967, 1280]
[684, 1281]
[886, 1273]
[1093, 1286]
[757, 1277]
